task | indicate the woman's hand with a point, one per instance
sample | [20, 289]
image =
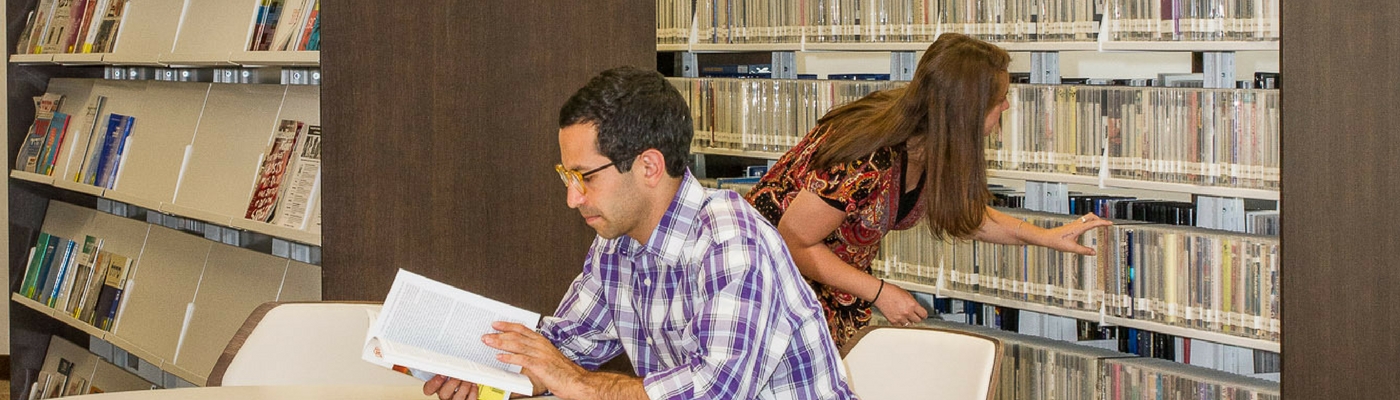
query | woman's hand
[1066, 237]
[898, 306]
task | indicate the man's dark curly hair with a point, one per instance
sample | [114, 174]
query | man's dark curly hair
[634, 110]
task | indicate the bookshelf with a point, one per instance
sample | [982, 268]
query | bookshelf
[89, 370]
[177, 33]
[190, 142]
[194, 152]
[177, 280]
[1030, 365]
[1062, 178]
[1147, 46]
[730, 36]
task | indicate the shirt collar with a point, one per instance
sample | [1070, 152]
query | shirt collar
[668, 239]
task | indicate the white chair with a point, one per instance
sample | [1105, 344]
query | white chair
[303, 343]
[887, 362]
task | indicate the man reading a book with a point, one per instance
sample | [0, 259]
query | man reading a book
[693, 284]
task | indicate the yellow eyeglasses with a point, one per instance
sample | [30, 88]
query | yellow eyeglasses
[575, 178]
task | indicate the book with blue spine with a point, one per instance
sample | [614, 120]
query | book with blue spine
[33, 274]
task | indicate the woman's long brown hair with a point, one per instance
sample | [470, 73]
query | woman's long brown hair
[957, 82]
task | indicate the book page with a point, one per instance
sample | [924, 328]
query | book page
[435, 327]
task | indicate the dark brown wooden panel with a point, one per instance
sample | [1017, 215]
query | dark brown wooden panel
[444, 118]
[1341, 182]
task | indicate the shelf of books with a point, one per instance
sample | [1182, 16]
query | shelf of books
[1215, 142]
[909, 25]
[70, 370]
[244, 155]
[1207, 284]
[1168, 277]
[1141, 46]
[1037, 368]
[192, 295]
[171, 33]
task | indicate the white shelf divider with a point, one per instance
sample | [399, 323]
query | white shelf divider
[1209, 336]
[76, 93]
[171, 264]
[212, 31]
[147, 31]
[167, 114]
[302, 282]
[234, 283]
[237, 124]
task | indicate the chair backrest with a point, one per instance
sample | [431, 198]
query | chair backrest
[886, 362]
[303, 343]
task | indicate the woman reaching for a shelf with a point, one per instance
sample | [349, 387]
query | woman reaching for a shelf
[888, 160]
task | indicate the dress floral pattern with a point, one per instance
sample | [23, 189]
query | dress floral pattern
[869, 188]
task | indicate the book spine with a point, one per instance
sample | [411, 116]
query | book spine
[311, 21]
[50, 251]
[36, 265]
[115, 173]
[55, 279]
[58, 129]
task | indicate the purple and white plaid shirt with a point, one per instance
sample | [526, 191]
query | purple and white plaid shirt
[711, 307]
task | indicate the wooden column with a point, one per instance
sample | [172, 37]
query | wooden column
[1341, 184]
[441, 120]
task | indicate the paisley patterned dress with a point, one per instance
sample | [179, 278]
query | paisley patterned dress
[868, 189]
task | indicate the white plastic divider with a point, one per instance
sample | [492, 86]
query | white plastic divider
[211, 31]
[237, 124]
[235, 282]
[166, 116]
[147, 31]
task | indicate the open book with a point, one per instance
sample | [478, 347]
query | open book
[430, 326]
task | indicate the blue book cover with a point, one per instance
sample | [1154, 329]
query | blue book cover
[128, 123]
[118, 129]
[109, 144]
[69, 255]
[55, 266]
